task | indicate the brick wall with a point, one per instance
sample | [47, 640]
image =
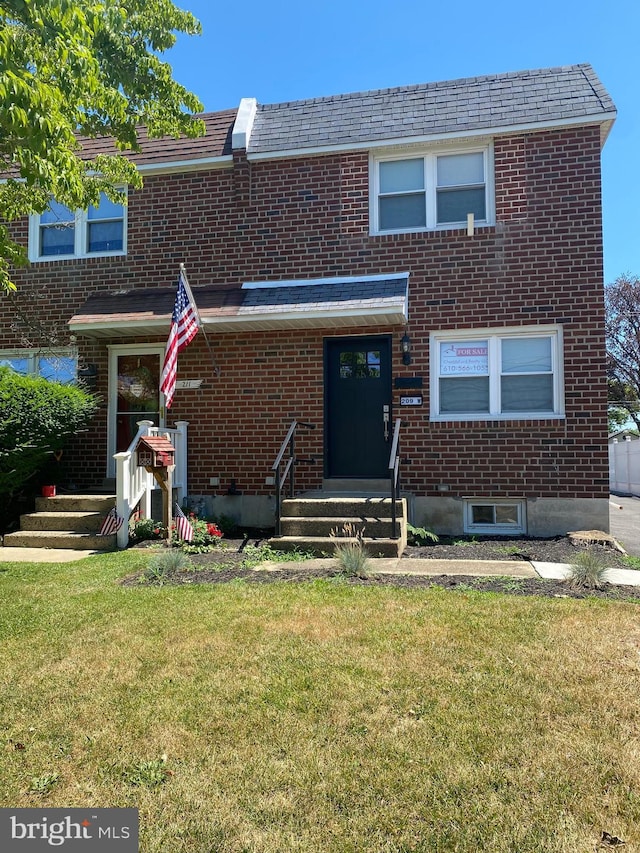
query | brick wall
[309, 217]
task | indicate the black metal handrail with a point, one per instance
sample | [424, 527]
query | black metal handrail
[290, 465]
[394, 472]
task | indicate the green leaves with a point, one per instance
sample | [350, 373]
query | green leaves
[36, 418]
[90, 68]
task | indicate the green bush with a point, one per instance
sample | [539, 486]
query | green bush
[206, 536]
[421, 535]
[227, 524]
[145, 529]
[588, 571]
[169, 562]
[36, 418]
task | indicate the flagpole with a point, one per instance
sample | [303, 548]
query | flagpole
[216, 368]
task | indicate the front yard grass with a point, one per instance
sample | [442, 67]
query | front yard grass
[281, 717]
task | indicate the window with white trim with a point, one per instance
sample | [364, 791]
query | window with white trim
[61, 233]
[59, 366]
[487, 374]
[497, 517]
[433, 190]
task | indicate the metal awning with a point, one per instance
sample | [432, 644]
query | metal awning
[379, 300]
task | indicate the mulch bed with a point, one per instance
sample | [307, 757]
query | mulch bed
[226, 564]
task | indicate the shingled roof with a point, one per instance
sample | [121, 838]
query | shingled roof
[325, 303]
[154, 152]
[549, 96]
[523, 99]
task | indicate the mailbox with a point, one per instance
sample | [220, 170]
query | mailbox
[155, 451]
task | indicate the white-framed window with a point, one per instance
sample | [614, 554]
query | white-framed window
[502, 517]
[60, 233]
[58, 366]
[422, 191]
[490, 374]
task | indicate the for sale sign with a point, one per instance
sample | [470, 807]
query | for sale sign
[468, 358]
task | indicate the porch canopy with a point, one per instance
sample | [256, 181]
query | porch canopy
[329, 303]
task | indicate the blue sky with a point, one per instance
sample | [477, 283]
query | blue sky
[281, 50]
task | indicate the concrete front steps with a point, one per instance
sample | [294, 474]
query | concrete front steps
[66, 521]
[307, 522]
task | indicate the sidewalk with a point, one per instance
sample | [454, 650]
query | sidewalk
[478, 568]
[383, 565]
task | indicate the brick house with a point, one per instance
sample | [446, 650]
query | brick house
[430, 253]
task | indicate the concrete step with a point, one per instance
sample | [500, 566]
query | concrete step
[307, 523]
[77, 503]
[60, 539]
[80, 522]
[339, 507]
[69, 521]
[360, 487]
[324, 546]
[374, 528]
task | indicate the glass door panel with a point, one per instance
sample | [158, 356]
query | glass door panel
[137, 394]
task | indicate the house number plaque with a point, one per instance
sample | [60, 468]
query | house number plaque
[185, 384]
[411, 401]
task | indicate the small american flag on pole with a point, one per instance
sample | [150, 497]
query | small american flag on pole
[184, 327]
[183, 526]
[111, 524]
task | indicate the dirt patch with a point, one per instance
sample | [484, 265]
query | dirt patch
[559, 549]
[228, 563]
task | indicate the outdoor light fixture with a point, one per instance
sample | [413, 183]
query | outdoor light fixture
[89, 376]
[405, 347]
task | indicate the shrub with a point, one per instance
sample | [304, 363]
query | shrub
[206, 535]
[144, 529]
[588, 571]
[167, 563]
[227, 524]
[36, 418]
[421, 535]
[351, 555]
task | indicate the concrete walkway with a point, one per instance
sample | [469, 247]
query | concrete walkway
[478, 568]
[43, 555]
[386, 566]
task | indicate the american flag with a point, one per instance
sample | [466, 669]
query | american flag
[183, 526]
[111, 524]
[184, 328]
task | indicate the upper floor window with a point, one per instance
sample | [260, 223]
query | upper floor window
[62, 233]
[509, 374]
[435, 190]
[59, 366]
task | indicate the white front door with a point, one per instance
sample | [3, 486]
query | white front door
[134, 394]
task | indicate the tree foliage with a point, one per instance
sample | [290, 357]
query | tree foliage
[622, 303]
[91, 68]
[36, 418]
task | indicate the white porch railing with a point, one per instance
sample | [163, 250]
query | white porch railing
[134, 484]
[624, 466]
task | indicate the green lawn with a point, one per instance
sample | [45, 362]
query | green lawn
[320, 717]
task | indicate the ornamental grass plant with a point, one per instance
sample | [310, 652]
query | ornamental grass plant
[588, 571]
[350, 551]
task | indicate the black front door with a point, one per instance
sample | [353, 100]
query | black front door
[358, 406]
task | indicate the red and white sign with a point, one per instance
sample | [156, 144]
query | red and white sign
[469, 358]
